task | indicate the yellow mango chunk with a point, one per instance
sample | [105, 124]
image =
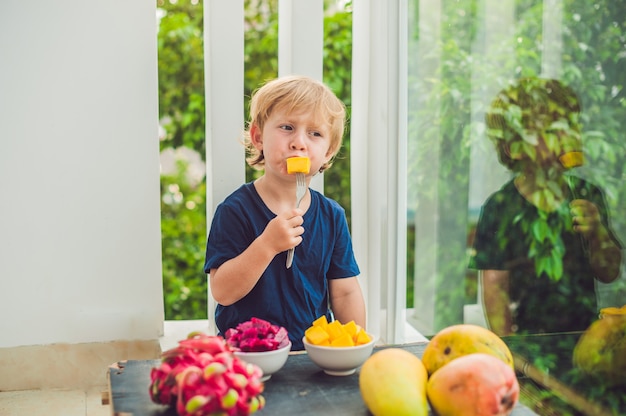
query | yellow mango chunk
[321, 321]
[351, 328]
[344, 340]
[317, 335]
[362, 338]
[299, 164]
[613, 310]
[336, 334]
[572, 159]
[335, 330]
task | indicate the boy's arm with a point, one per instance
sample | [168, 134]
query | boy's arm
[346, 299]
[495, 293]
[236, 277]
[605, 254]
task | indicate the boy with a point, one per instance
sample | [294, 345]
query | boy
[544, 238]
[255, 226]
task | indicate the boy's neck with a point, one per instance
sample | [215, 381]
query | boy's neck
[546, 192]
[279, 196]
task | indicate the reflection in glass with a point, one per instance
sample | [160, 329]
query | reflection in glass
[460, 55]
[544, 237]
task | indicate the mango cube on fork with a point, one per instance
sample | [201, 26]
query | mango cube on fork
[298, 164]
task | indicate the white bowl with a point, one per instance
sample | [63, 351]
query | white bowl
[269, 361]
[339, 361]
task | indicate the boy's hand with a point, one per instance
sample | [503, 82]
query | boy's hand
[284, 231]
[585, 216]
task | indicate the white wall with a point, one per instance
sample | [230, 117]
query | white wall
[80, 255]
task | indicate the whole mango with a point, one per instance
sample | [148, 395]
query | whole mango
[601, 350]
[462, 339]
[392, 382]
[473, 385]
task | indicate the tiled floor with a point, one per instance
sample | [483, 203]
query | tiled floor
[54, 403]
[89, 403]
[61, 402]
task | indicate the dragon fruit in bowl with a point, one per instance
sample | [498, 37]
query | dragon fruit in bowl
[261, 343]
[202, 376]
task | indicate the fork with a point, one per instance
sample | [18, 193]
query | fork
[300, 192]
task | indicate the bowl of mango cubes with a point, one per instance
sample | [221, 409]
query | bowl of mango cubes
[338, 349]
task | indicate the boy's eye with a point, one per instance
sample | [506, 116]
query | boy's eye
[316, 134]
[286, 127]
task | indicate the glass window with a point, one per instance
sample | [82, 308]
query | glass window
[516, 185]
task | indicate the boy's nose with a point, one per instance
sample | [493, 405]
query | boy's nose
[298, 140]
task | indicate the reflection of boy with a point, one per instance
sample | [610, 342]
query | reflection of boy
[544, 236]
[254, 227]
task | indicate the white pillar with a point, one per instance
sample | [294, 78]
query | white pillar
[301, 45]
[224, 92]
[301, 37]
[552, 43]
[378, 149]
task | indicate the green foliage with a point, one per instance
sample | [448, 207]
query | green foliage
[338, 76]
[183, 225]
[181, 75]
[182, 115]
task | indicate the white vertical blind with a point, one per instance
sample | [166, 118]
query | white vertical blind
[426, 53]
[378, 149]
[301, 37]
[224, 66]
[301, 45]
[552, 39]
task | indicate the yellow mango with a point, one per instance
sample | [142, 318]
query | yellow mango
[475, 384]
[362, 338]
[392, 382]
[612, 310]
[321, 321]
[462, 339]
[344, 340]
[298, 164]
[316, 335]
[601, 350]
[336, 334]
[351, 328]
[335, 330]
[572, 159]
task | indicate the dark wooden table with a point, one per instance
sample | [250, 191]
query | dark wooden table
[299, 388]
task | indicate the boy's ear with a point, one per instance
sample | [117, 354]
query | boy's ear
[255, 136]
[330, 153]
[507, 151]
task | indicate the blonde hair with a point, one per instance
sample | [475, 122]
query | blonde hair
[529, 107]
[295, 94]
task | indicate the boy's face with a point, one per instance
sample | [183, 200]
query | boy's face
[553, 144]
[286, 134]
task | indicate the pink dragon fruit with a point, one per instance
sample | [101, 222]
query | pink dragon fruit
[202, 376]
[256, 335]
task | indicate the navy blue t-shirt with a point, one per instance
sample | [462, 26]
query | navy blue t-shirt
[294, 297]
[541, 304]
